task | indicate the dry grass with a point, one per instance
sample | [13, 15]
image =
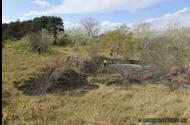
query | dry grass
[107, 105]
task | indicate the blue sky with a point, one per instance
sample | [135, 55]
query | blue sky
[107, 12]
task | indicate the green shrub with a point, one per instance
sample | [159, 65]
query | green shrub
[165, 50]
[78, 37]
[119, 42]
[63, 38]
[102, 70]
[94, 50]
[37, 40]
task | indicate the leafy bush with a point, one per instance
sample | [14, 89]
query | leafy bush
[165, 50]
[94, 50]
[37, 40]
[79, 37]
[101, 70]
[63, 38]
[119, 42]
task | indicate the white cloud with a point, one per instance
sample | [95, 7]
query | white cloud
[42, 3]
[104, 26]
[107, 26]
[5, 20]
[94, 6]
[31, 13]
[150, 20]
[181, 17]
[69, 25]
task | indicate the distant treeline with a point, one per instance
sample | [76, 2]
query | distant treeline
[16, 30]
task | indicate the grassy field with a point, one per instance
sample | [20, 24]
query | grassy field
[106, 105]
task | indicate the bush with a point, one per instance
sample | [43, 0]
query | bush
[38, 40]
[119, 42]
[102, 70]
[94, 50]
[164, 51]
[63, 38]
[3, 42]
[78, 37]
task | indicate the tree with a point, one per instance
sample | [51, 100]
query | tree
[91, 26]
[16, 30]
[94, 50]
[78, 37]
[63, 38]
[119, 42]
[11, 30]
[142, 36]
[55, 26]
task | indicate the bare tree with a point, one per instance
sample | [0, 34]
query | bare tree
[90, 25]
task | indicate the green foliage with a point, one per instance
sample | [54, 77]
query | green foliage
[37, 40]
[164, 50]
[101, 70]
[54, 27]
[79, 38]
[108, 104]
[94, 50]
[17, 30]
[63, 38]
[3, 42]
[5, 119]
[119, 41]
[126, 50]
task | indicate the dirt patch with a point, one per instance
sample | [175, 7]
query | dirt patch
[54, 81]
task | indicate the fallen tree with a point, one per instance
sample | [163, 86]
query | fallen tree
[137, 73]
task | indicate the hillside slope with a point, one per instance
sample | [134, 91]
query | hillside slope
[105, 105]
